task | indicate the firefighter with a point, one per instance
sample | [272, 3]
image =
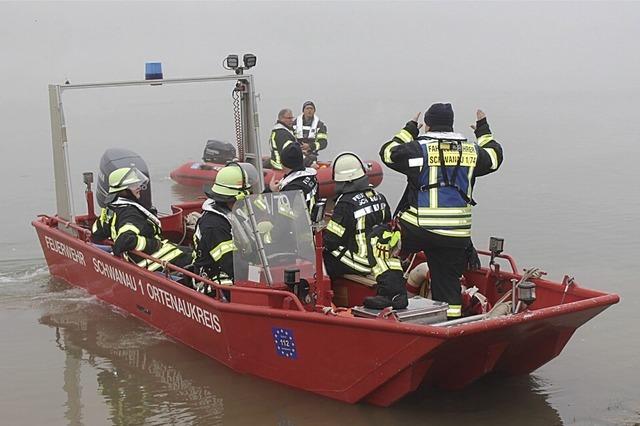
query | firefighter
[212, 240]
[281, 137]
[357, 240]
[131, 226]
[297, 176]
[311, 132]
[435, 210]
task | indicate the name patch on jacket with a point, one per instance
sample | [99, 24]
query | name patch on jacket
[451, 156]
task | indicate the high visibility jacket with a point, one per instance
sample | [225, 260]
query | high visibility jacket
[213, 243]
[441, 168]
[131, 226]
[313, 132]
[304, 180]
[281, 137]
[345, 238]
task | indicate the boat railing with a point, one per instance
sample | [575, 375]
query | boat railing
[84, 234]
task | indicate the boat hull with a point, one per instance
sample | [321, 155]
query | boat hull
[349, 359]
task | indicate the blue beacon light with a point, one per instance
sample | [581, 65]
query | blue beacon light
[153, 71]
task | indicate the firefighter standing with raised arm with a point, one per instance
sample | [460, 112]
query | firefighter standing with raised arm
[281, 137]
[311, 132]
[132, 226]
[213, 242]
[435, 210]
[357, 240]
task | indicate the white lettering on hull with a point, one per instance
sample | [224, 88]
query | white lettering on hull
[115, 274]
[184, 307]
[170, 300]
[65, 250]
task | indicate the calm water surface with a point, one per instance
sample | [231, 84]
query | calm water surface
[558, 82]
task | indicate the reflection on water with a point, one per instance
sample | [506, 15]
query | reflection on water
[134, 366]
[145, 378]
[181, 193]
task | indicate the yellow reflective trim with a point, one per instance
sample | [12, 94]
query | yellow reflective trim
[275, 162]
[454, 311]
[221, 249]
[166, 258]
[142, 243]
[335, 228]
[383, 265]
[433, 192]
[321, 136]
[352, 256]
[114, 233]
[351, 263]
[485, 139]
[441, 211]
[128, 227]
[286, 144]
[166, 248]
[361, 239]
[413, 220]
[404, 136]
[494, 157]
[387, 151]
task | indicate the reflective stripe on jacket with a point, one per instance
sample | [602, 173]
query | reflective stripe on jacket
[281, 137]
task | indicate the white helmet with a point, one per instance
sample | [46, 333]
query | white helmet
[347, 167]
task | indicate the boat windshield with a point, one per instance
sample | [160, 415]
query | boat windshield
[272, 233]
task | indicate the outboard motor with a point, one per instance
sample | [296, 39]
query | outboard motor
[113, 159]
[218, 152]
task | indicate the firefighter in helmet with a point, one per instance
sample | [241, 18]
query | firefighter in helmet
[131, 226]
[357, 239]
[213, 242]
[435, 210]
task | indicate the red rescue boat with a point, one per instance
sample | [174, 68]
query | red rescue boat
[270, 332]
[283, 319]
[200, 173]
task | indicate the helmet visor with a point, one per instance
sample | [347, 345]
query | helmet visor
[134, 179]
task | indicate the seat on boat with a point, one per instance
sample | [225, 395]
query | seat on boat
[368, 280]
[103, 247]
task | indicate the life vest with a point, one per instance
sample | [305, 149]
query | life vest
[307, 180]
[276, 162]
[443, 195]
[306, 132]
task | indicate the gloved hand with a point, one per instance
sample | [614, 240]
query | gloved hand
[384, 241]
[472, 260]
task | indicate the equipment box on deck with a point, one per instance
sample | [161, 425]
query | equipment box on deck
[419, 311]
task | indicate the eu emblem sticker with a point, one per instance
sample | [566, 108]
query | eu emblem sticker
[285, 343]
